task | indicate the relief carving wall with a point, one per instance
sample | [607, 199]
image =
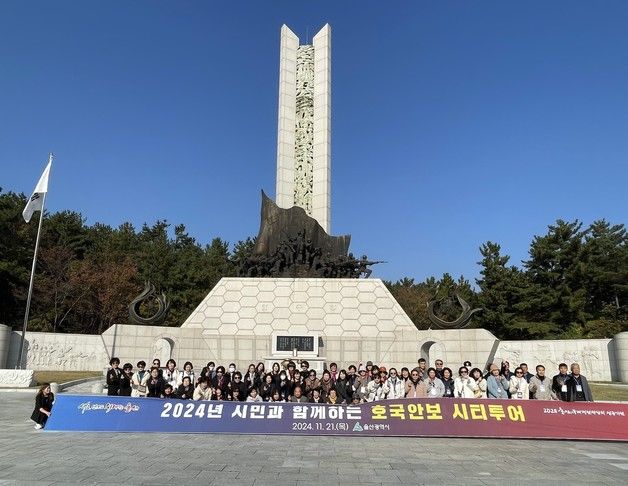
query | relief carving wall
[592, 355]
[304, 129]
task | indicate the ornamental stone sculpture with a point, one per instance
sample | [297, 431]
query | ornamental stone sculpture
[149, 294]
[460, 323]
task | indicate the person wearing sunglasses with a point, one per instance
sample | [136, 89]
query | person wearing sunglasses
[519, 388]
[360, 392]
[311, 383]
[464, 385]
[415, 386]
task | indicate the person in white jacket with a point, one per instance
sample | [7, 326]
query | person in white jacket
[396, 385]
[171, 374]
[188, 370]
[464, 385]
[202, 391]
[519, 387]
[139, 380]
[378, 388]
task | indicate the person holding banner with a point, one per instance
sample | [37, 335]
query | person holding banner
[43, 406]
[496, 384]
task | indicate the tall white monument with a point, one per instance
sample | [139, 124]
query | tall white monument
[304, 127]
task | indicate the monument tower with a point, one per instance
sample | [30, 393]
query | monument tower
[304, 125]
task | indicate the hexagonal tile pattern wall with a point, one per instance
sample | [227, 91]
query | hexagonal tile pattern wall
[332, 307]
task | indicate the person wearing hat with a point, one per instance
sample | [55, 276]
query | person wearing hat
[369, 369]
[496, 384]
[360, 387]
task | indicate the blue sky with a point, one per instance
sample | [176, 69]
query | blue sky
[453, 122]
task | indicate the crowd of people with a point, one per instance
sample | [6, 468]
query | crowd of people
[365, 383]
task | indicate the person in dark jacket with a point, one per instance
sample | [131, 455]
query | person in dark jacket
[343, 388]
[238, 384]
[221, 381]
[125, 380]
[267, 388]
[113, 377]
[43, 406]
[185, 391]
[168, 392]
[559, 383]
[251, 379]
[448, 381]
[578, 389]
[155, 384]
[284, 385]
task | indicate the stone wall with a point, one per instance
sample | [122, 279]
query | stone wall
[50, 351]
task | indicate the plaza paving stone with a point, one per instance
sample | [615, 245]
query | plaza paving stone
[28, 456]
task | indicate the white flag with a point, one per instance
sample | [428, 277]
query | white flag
[36, 201]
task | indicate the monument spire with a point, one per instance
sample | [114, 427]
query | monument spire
[304, 125]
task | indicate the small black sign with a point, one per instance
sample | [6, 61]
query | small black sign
[300, 343]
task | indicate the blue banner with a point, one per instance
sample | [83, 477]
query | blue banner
[442, 417]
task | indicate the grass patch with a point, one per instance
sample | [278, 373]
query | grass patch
[609, 392]
[62, 376]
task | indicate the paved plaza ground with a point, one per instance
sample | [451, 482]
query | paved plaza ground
[28, 456]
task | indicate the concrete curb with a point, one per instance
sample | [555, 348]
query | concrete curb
[80, 381]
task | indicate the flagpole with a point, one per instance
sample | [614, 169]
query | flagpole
[18, 365]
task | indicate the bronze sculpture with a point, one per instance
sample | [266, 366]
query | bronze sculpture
[149, 293]
[459, 323]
